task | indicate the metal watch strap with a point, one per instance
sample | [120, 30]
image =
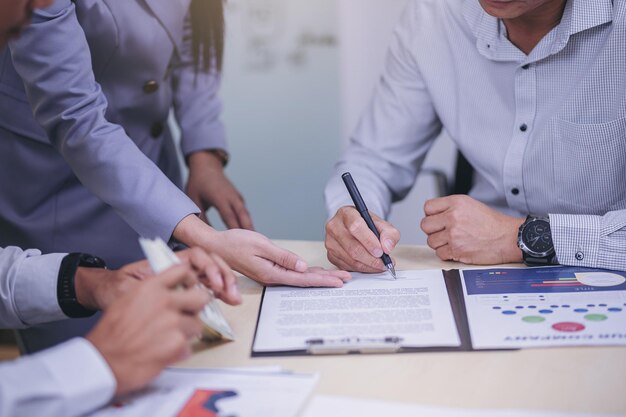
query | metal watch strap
[221, 154]
[66, 290]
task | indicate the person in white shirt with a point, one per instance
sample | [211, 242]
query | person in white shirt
[533, 93]
[149, 323]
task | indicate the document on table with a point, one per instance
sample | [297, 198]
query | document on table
[545, 307]
[414, 311]
[331, 406]
[218, 392]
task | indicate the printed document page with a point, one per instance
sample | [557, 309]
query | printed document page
[414, 310]
[218, 392]
[543, 307]
[332, 406]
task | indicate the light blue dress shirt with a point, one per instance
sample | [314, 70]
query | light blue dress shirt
[545, 133]
[65, 381]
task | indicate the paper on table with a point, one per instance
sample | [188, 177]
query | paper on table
[414, 308]
[544, 307]
[161, 257]
[327, 406]
[225, 392]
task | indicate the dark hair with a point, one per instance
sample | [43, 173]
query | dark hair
[207, 34]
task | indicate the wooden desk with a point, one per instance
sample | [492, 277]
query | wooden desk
[567, 379]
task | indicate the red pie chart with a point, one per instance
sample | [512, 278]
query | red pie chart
[568, 327]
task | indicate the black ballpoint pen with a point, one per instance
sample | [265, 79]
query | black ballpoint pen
[362, 209]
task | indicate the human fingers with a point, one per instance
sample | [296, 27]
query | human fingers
[306, 279]
[437, 205]
[231, 294]
[434, 223]
[190, 300]
[243, 216]
[282, 257]
[445, 253]
[354, 223]
[342, 275]
[228, 214]
[209, 270]
[439, 239]
[339, 257]
[178, 275]
[389, 235]
[351, 251]
[190, 325]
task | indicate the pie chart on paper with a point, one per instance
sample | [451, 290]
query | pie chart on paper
[600, 279]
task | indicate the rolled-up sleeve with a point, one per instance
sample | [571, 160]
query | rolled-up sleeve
[68, 380]
[53, 59]
[590, 241]
[28, 288]
[389, 146]
[197, 105]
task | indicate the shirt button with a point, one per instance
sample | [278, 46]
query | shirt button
[523, 127]
[515, 191]
[580, 256]
[526, 66]
[157, 130]
[150, 87]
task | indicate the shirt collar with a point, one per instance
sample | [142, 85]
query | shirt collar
[579, 15]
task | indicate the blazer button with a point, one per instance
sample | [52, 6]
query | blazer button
[157, 130]
[150, 87]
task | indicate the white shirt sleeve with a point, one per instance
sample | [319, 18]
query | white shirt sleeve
[28, 287]
[67, 380]
[390, 144]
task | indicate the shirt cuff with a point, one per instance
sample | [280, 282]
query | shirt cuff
[576, 239]
[81, 374]
[36, 289]
[211, 136]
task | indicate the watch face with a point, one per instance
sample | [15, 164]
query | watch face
[537, 237]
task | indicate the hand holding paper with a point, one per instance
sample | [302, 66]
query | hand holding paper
[161, 257]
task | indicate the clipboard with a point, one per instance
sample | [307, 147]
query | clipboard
[388, 344]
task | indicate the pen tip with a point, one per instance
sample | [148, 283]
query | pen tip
[392, 270]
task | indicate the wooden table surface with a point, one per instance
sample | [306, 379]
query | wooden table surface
[557, 379]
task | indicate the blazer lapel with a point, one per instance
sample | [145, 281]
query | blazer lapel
[171, 14]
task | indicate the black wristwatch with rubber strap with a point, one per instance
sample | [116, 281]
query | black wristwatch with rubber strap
[535, 240]
[66, 290]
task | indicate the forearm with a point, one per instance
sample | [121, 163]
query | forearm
[590, 241]
[68, 380]
[194, 232]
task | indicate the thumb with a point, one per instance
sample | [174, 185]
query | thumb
[286, 259]
[389, 235]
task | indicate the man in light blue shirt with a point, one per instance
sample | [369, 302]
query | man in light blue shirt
[533, 92]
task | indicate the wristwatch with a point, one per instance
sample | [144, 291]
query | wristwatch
[66, 290]
[535, 241]
[221, 154]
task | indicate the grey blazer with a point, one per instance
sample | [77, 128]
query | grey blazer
[85, 94]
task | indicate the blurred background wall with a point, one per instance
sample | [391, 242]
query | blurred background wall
[297, 76]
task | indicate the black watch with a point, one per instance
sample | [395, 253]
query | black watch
[66, 291]
[535, 241]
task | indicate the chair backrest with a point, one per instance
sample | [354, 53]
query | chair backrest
[463, 177]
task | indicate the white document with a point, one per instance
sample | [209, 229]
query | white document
[219, 392]
[545, 307]
[414, 310]
[327, 406]
[161, 257]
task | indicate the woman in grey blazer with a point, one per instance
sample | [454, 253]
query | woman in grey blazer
[87, 158]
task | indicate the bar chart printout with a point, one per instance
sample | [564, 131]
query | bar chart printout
[543, 307]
